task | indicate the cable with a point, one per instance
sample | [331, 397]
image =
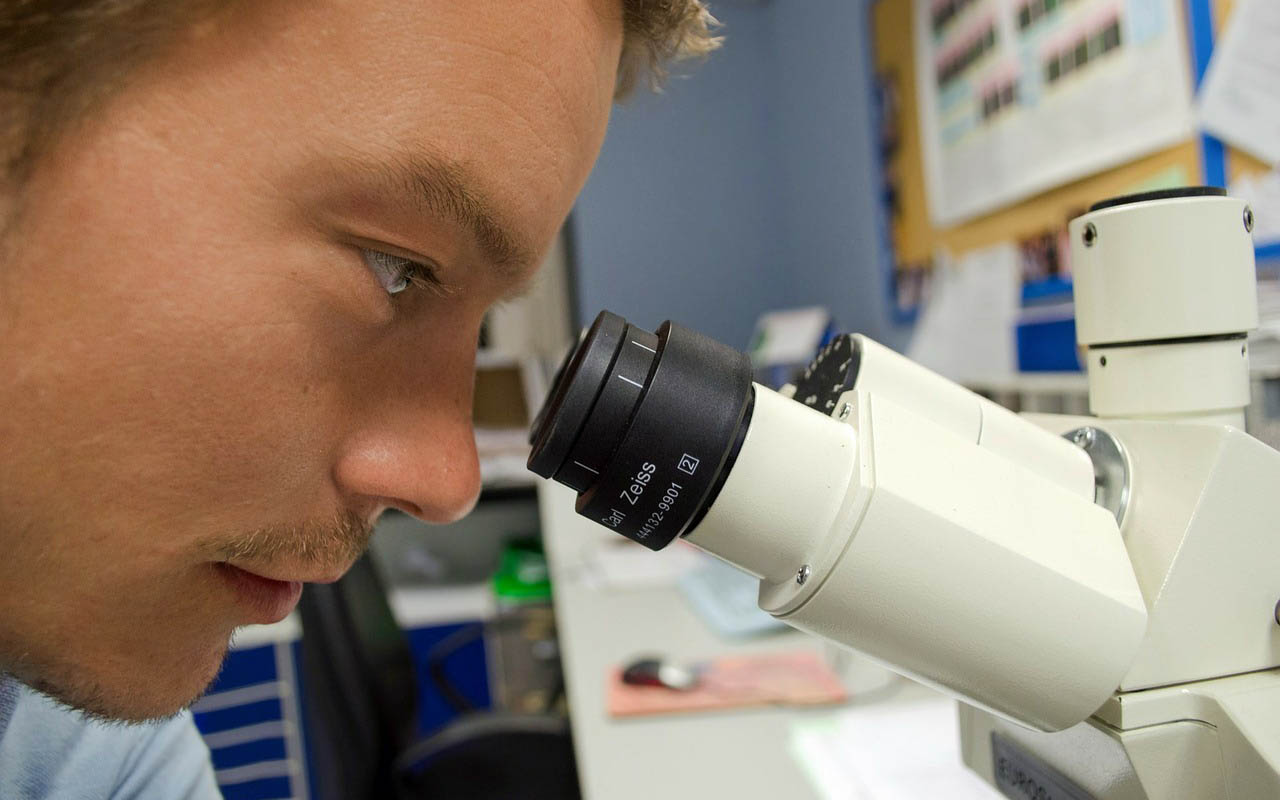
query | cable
[436, 657]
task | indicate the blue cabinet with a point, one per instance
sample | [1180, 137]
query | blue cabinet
[250, 718]
[254, 722]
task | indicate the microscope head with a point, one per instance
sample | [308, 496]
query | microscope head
[887, 509]
[881, 507]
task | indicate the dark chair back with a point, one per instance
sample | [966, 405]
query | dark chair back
[495, 756]
[360, 701]
[358, 684]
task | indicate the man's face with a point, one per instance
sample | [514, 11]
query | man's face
[208, 376]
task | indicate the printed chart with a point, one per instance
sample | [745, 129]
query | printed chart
[1018, 96]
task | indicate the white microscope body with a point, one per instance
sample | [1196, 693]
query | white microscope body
[1100, 592]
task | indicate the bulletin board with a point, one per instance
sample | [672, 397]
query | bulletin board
[914, 240]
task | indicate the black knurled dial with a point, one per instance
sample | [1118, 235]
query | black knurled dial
[830, 375]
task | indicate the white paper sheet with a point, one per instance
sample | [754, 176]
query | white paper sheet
[1264, 343]
[1262, 193]
[790, 336]
[887, 751]
[616, 563]
[1051, 96]
[1240, 97]
[966, 331]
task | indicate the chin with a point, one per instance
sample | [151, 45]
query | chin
[143, 694]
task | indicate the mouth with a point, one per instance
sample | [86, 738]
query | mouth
[267, 600]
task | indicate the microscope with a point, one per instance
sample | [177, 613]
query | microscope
[1099, 593]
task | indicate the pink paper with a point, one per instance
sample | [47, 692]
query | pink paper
[789, 678]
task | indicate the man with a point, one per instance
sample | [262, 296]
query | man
[245, 250]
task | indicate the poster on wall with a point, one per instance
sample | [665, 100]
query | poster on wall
[1019, 96]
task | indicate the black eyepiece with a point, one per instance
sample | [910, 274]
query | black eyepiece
[645, 427]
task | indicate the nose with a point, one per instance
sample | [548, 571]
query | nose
[412, 447]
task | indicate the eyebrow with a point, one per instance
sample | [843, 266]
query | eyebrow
[447, 189]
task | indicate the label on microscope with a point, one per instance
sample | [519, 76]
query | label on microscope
[1022, 776]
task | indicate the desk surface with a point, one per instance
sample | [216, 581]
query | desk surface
[739, 754]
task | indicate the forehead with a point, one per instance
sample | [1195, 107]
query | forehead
[517, 93]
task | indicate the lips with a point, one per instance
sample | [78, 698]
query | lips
[266, 600]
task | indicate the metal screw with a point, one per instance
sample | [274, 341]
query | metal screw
[1243, 348]
[1083, 438]
[845, 410]
[1248, 219]
[1102, 362]
[1090, 234]
[1278, 613]
[803, 575]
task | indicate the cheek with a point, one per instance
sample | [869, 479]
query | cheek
[241, 387]
[423, 366]
[207, 390]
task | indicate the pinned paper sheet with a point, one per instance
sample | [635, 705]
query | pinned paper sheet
[1262, 193]
[966, 332]
[1240, 98]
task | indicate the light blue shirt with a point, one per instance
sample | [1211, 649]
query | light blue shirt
[48, 751]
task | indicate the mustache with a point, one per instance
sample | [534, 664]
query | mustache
[334, 542]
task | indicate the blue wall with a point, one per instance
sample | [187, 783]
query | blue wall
[830, 165]
[679, 219]
[746, 186]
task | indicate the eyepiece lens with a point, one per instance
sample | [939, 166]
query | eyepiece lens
[574, 394]
[644, 426]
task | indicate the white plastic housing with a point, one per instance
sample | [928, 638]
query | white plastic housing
[1165, 291]
[784, 492]
[971, 416]
[1163, 269]
[1206, 380]
[974, 574]
[921, 531]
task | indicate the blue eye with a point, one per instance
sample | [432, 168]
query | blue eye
[397, 273]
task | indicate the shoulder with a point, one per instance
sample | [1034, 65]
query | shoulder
[49, 751]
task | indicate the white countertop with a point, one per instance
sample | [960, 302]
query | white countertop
[732, 754]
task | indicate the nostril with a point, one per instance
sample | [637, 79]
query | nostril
[405, 507]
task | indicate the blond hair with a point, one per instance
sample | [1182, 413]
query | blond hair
[660, 32]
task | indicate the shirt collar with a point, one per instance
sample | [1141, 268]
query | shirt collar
[8, 699]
